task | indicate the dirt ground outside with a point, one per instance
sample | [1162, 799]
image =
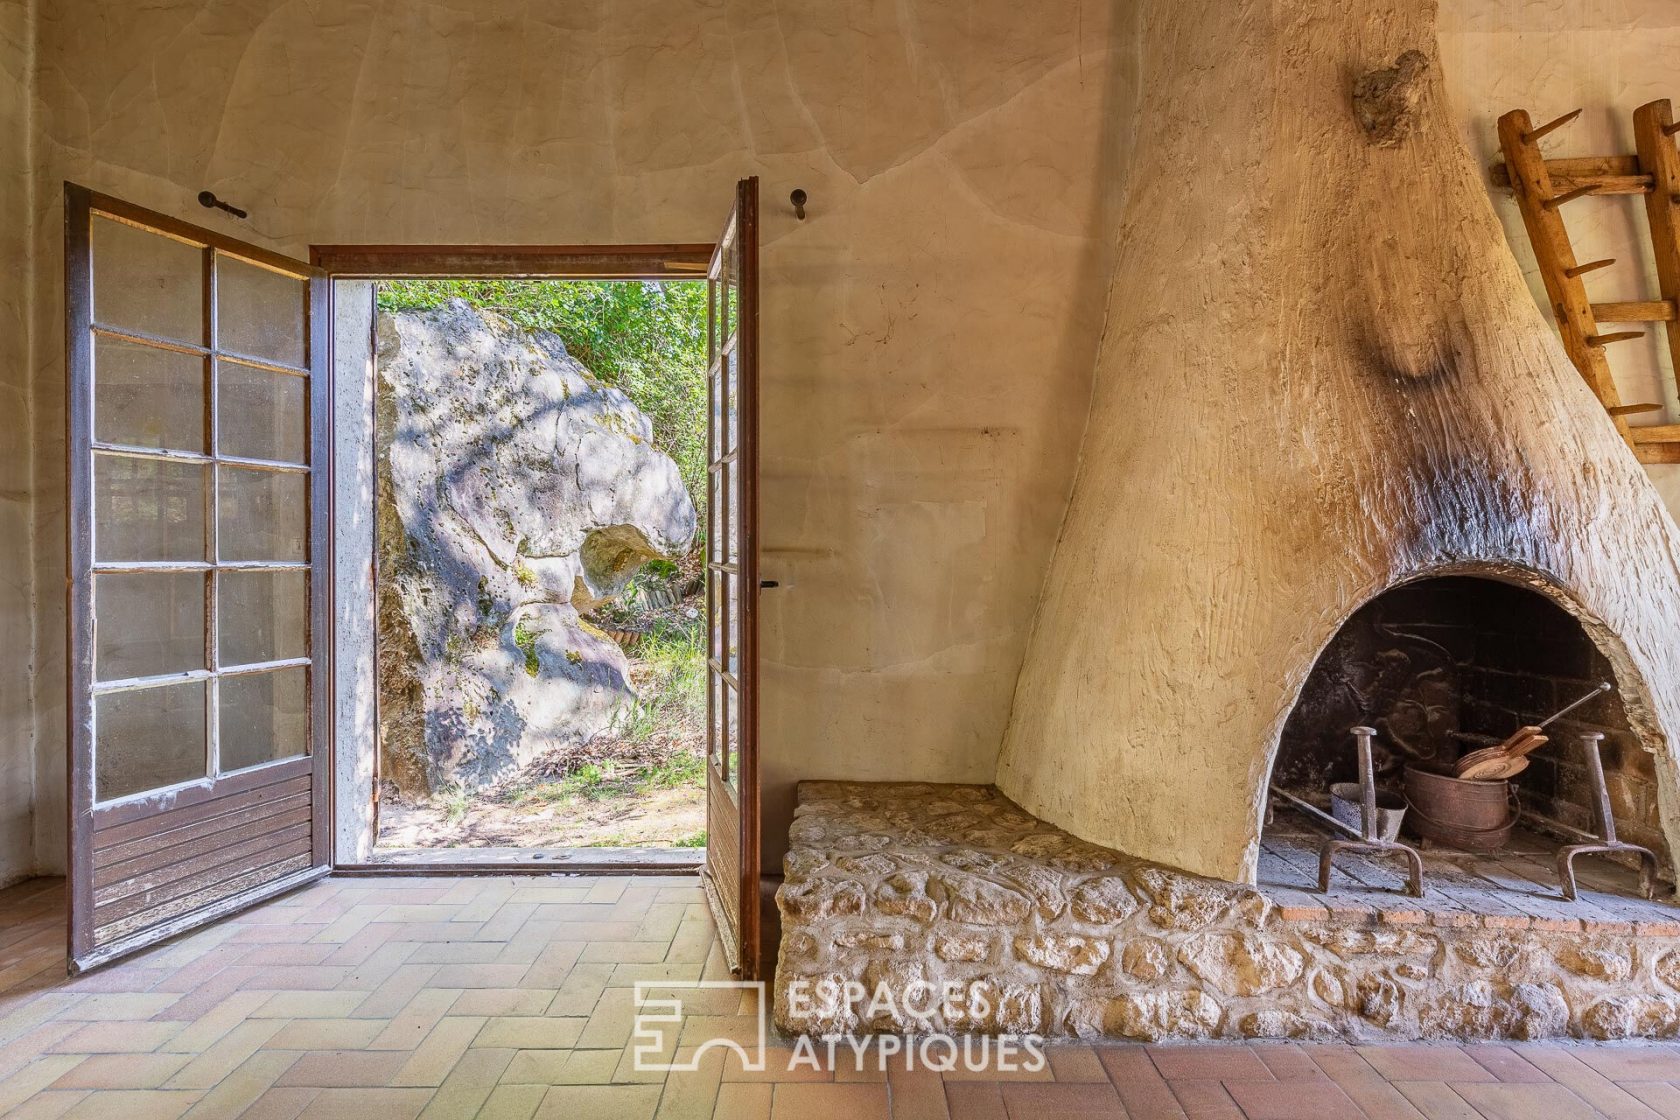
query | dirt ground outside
[641, 785]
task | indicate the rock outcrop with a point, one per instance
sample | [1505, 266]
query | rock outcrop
[515, 490]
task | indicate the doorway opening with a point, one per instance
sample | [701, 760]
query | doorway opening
[539, 534]
[585, 564]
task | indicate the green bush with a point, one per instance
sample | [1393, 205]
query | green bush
[647, 338]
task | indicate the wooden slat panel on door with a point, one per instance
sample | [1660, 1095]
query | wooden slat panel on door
[200, 581]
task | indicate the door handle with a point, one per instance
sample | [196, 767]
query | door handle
[763, 583]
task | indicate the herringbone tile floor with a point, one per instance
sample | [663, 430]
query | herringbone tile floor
[387, 999]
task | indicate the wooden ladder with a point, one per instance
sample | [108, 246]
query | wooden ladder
[1543, 187]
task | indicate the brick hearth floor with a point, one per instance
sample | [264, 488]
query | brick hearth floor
[382, 999]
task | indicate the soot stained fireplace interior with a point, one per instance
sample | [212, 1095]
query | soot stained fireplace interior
[1428, 662]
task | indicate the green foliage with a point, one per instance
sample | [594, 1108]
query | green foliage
[456, 801]
[647, 338]
[683, 768]
[698, 840]
[526, 639]
[598, 781]
[673, 656]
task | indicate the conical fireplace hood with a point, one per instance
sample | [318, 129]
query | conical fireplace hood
[1322, 376]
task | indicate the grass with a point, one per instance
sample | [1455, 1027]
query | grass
[456, 801]
[698, 840]
[672, 692]
[526, 639]
[599, 781]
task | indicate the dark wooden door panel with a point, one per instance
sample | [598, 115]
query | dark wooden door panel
[732, 830]
[199, 581]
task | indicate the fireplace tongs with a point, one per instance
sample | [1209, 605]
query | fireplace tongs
[1368, 838]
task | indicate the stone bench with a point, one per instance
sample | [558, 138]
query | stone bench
[919, 888]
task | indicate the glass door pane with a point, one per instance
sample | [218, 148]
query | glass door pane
[149, 738]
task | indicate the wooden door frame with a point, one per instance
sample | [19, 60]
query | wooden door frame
[745, 929]
[81, 204]
[668, 261]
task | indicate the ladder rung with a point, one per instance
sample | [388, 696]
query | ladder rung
[1610, 174]
[1558, 200]
[1632, 409]
[1617, 336]
[1553, 125]
[1590, 266]
[1655, 433]
[1638, 311]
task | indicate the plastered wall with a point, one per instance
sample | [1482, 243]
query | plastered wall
[17, 764]
[928, 332]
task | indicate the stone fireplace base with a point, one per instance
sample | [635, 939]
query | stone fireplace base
[906, 884]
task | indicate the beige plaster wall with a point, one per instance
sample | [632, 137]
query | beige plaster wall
[928, 333]
[1606, 57]
[17, 777]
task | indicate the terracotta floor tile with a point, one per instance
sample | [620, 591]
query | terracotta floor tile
[975, 1100]
[510, 1102]
[1632, 1063]
[122, 1071]
[1209, 1063]
[1437, 1101]
[743, 1101]
[1505, 1063]
[1142, 1089]
[325, 1034]
[536, 1032]
[243, 1087]
[599, 1102]
[1507, 1101]
[116, 1038]
[1292, 1100]
[1287, 1061]
[1565, 1067]
[1205, 1100]
[917, 1095]
[469, 1085]
[366, 1104]
[47, 1106]
[804, 1101]
[339, 1069]
[1424, 1063]
[1030, 1100]
[1381, 1100]
[185, 1030]
[279, 1104]
[1660, 1097]
[134, 1104]
[1075, 1063]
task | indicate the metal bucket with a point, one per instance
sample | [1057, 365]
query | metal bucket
[1473, 815]
[1345, 806]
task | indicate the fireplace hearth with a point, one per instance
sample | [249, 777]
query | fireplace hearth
[1440, 665]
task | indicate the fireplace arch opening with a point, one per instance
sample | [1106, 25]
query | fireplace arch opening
[1443, 664]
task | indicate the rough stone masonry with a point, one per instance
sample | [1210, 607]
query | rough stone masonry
[911, 884]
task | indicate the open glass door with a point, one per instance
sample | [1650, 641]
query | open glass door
[732, 848]
[199, 581]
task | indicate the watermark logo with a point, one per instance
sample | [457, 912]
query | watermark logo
[654, 1052]
[920, 1017]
